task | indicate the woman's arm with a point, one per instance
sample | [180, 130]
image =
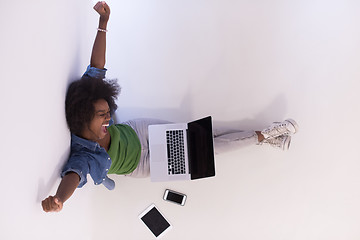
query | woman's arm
[99, 49]
[71, 180]
[66, 188]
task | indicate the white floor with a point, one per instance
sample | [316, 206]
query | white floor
[245, 63]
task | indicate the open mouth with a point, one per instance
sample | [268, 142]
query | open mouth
[104, 127]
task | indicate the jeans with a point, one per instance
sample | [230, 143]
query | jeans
[224, 141]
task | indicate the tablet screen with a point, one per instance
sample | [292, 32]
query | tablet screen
[155, 221]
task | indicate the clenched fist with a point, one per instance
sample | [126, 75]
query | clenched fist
[103, 9]
[52, 204]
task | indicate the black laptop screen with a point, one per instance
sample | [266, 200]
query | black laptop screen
[201, 148]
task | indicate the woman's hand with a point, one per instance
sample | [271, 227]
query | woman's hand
[66, 188]
[103, 9]
[52, 204]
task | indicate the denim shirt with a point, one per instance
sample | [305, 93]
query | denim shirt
[88, 157]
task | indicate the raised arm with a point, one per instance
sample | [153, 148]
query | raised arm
[71, 181]
[99, 49]
[66, 188]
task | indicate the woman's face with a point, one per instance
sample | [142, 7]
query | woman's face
[97, 128]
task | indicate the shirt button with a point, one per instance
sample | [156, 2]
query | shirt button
[103, 179]
[107, 170]
[108, 158]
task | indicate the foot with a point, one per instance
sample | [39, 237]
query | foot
[287, 127]
[282, 142]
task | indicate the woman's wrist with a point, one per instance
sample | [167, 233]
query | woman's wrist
[59, 198]
[103, 23]
[102, 26]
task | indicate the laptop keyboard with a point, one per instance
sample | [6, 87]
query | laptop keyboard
[176, 152]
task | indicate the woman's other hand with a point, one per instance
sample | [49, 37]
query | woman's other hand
[52, 204]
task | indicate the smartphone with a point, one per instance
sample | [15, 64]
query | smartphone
[175, 197]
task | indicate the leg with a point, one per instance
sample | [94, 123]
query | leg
[276, 135]
[227, 141]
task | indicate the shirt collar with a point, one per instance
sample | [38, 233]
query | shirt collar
[87, 143]
[91, 145]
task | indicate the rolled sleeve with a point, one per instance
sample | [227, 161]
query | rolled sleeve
[80, 167]
[95, 72]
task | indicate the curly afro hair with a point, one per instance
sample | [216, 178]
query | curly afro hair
[81, 96]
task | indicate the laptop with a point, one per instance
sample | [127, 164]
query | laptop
[182, 151]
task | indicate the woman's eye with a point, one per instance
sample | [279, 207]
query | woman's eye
[104, 114]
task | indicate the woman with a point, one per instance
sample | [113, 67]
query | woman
[99, 147]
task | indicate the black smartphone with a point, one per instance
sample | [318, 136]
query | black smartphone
[175, 197]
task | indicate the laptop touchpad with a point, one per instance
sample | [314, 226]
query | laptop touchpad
[157, 153]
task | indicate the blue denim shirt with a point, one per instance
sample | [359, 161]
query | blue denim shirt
[88, 157]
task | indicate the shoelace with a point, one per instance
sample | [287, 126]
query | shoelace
[276, 142]
[279, 128]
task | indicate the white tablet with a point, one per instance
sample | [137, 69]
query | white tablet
[155, 221]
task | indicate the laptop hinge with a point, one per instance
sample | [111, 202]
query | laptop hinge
[188, 151]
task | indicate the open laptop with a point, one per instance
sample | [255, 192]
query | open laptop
[183, 151]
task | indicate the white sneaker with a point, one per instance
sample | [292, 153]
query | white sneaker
[282, 142]
[287, 127]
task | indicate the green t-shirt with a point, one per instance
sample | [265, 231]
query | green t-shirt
[125, 149]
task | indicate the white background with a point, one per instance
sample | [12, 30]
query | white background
[246, 63]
